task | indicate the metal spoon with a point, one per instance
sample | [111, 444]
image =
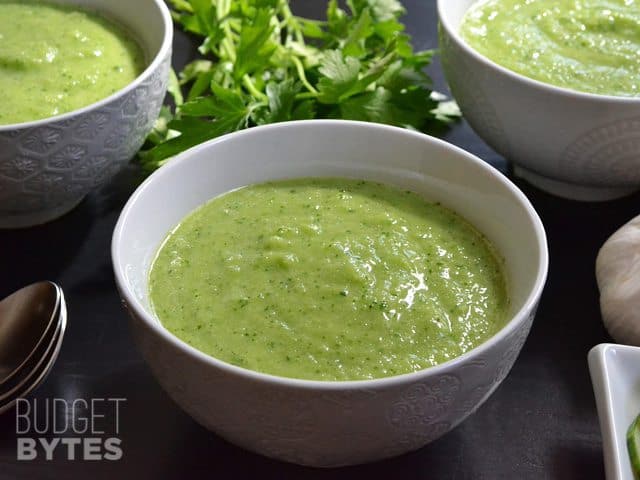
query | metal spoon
[27, 318]
[38, 374]
[36, 370]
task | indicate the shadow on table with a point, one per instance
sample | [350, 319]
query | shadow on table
[42, 252]
[568, 323]
[585, 462]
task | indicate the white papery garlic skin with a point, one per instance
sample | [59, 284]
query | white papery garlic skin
[618, 276]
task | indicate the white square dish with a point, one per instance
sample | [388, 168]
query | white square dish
[615, 374]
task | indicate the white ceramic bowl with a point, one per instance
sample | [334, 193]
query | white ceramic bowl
[314, 422]
[48, 166]
[615, 374]
[572, 144]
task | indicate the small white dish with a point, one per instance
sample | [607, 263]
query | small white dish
[615, 374]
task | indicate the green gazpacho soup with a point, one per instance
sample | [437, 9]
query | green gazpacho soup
[328, 279]
[55, 59]
[586, 45]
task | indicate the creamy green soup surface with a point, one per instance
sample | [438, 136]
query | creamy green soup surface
[328, 279]
[585, 45]
[55, 59]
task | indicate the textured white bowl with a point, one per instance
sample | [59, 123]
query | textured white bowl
[571, 144]
[615, 374]
[329, 423]
[48, 166]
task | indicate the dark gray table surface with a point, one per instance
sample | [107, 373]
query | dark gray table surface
[541, 422]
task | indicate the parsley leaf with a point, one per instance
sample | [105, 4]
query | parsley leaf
[255, 46]
[339, 77]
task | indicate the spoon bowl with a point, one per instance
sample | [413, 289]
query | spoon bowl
[35, 368]
[27, 322]
[37, 373]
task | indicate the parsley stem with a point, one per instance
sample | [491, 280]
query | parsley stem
[227, 48]
[223, 8]
[246, 81]
[306, 95]
[292, 23]
[303, 78]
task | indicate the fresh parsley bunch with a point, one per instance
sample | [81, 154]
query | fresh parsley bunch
[261, 64]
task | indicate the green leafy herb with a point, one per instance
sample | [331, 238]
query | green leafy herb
[633, 445]
[261, 64]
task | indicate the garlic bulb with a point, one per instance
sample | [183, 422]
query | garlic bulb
[618, 275]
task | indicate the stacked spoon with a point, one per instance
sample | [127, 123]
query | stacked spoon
[32, 325]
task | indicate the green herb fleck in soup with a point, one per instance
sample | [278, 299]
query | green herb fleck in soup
[328, 279]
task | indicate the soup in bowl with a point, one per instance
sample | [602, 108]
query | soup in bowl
[551, 86]
[86, 81]
[282, 413]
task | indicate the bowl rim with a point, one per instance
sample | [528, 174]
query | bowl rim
[152, 322]
[165, 48]
[445, 5]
